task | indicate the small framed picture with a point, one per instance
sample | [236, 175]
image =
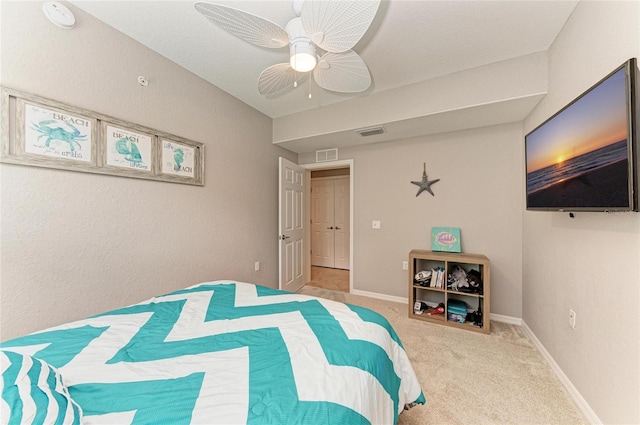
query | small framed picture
[181, 160]
[128, 148]
[445, 239]
[47, 132]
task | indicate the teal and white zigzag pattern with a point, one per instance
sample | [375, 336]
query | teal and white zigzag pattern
[229, 352]
[33, 393]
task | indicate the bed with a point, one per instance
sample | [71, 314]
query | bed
[221, 352]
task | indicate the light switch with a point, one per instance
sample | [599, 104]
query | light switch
[375, 225]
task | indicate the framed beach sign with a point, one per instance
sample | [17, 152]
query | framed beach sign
[40, 132]
[54, 133]
[180, 159]
[128, 148]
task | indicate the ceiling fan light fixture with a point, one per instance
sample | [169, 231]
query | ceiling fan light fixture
[333, 27]
[302, 56]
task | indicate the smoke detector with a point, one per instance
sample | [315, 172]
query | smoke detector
[59, 14]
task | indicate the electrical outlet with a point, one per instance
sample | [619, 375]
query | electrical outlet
[405, 265]
[257, 266]
[375, 225]
[572, 318]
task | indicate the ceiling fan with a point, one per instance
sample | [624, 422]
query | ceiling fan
[332, 26]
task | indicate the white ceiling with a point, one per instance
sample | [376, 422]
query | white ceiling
[408, 42]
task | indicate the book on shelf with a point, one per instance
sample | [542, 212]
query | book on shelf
[437, 278]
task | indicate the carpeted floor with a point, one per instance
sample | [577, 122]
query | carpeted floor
[328, 278]
[470, 378]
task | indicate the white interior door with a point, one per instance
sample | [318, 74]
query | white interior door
[330, 224]
[322, 228]
[291, 225]
[341, 222]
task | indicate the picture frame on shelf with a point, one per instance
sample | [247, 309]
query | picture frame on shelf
[446, 239]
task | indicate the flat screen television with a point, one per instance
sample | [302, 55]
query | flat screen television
[585, 157]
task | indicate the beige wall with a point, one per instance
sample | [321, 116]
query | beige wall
[591, 263]
[480, 174]
[77, 244]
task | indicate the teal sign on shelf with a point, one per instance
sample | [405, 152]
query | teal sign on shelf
[445, 239]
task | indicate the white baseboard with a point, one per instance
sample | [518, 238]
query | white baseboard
[573, 392]
[506, 319]
[380, 296]
[497, 317]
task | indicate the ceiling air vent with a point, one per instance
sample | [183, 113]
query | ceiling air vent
[327, 155]
[366, 132]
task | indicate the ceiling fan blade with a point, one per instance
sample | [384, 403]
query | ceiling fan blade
[337, 25]
[244, 25]
[277, 78]
[342, 72]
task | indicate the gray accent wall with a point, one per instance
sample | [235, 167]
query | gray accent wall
[77, 244]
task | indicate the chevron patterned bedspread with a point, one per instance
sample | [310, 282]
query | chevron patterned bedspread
[219, 352]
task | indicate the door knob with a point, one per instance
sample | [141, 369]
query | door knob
[337, 228]
[283, 237]
[330, 228]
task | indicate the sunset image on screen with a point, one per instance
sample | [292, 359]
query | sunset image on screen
[570, 147]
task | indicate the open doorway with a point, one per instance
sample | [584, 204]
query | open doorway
[330, 214]
[329, 278]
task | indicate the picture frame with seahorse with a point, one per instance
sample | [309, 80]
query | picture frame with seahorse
[179, 158]
[57, 133]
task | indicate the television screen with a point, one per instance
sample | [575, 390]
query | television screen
[583, 157]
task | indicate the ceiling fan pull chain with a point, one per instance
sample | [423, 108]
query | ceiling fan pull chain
[295, 56]
[310, 86]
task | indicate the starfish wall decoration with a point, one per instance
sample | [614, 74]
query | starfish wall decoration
[425, 184]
